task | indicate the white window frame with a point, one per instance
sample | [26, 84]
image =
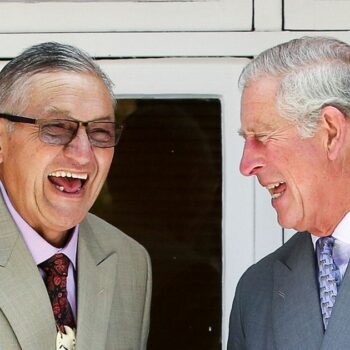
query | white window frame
[107, 16]
[316, 14]
[184, 77]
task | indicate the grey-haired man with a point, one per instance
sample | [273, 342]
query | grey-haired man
[67, 278]
[295, 122]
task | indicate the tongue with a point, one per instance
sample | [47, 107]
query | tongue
[69, 184]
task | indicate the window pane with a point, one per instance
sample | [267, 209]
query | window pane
[164, 190]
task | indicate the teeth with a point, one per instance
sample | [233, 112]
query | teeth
[69, 174]
[80, 176]
[61, 188]
[272, 186]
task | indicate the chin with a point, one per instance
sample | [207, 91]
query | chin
[287, 222]
[68, 220]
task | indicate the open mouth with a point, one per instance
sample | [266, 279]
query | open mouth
[68, 182]
[276, 189]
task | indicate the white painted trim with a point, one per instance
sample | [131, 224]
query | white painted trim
[213, 44]
[317, 14]
[101, 16]
[268, 15]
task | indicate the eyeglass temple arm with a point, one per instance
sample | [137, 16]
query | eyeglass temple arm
[18, 119]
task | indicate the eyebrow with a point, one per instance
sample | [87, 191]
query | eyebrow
[54, 113]
[262, 126]
[243, 133]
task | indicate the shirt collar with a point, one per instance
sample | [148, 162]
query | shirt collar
[39, 248]
[341, 232]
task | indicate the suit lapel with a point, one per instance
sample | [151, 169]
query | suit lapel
[96, 280]
[23, 296]
[297, 321]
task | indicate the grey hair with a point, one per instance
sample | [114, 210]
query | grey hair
[44, 58]
[313, 72]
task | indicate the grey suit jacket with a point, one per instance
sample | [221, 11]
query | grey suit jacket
[113, 291]
[276, 305]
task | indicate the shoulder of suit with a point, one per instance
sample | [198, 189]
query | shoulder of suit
[110, 237]
[264, 266]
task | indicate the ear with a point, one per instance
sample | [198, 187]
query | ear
[335, 125]
[3, 138]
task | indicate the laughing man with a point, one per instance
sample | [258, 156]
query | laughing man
[67, 278]
[295, 120]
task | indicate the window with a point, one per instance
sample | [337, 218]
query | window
[164, 189]
[201, 82]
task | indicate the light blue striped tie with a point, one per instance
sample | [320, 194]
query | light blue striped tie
[328, 277]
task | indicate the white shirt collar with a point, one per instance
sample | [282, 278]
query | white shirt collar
[341, 232]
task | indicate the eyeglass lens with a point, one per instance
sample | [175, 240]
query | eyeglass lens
[62, 132]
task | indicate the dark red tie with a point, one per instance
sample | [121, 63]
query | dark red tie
[56, 272]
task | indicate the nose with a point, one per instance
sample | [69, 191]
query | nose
[253, 159]
[79, 149]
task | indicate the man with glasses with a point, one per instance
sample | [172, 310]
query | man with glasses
[67, 278]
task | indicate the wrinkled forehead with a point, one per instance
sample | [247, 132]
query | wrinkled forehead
[262, 86]
[65, 78]
[258, 104]
[65, 91]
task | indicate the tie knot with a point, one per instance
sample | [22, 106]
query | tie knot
[56, 265]
[325, 244]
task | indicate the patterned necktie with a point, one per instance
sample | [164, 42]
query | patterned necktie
[327, 277]
[56, 270]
